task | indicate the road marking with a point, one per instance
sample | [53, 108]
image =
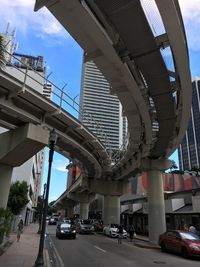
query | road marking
[100, 249]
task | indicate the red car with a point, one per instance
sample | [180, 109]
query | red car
[186, 243]
[98, 226]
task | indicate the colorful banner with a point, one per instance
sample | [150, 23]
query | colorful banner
[171, 182]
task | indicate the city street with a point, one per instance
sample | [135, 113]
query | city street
[100, 251]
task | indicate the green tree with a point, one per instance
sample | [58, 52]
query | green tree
[18, 196]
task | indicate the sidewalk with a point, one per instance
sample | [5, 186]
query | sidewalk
[24, 252]
[143, 242]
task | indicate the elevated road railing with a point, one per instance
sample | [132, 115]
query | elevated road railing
[21, 102]
[29, 75]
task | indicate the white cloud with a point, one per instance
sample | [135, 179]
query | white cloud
[60, 165]
[191, 16]
[21, 15]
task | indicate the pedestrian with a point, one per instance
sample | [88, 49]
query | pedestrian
[131, 231]
[20, 227]
[120, 233]
[185, 227]
[192, 229]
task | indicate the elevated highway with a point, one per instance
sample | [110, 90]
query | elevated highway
[141, 48]
[156, 96]
[20, 104]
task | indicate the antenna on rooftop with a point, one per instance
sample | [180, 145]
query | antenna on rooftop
[7, 28]
[16, 46]
[14, 33]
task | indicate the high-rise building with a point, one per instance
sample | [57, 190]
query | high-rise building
[189, 150]
[106, 110]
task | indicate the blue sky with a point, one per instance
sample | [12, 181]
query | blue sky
[38, 33]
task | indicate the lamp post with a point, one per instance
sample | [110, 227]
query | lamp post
[52, 140]
[41, 209]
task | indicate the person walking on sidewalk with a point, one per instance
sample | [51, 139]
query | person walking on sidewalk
[20, 227]
[131, 232]
[120, 233]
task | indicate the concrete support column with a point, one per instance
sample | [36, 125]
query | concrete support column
[156, 208]
[111, 209]
[5, 181]
[84, 210]
[156, 217]
[70, 211]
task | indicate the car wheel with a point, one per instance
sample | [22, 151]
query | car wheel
[74, 237]
[104, 232]
[163, 247]
[110, 234]
[184, 252]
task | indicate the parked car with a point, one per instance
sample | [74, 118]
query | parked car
[98, 226]
[52, 221]
[65, 230]
[186, 243]
[84, 226]
[67, 220]
[112, 230]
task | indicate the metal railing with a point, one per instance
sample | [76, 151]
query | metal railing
[63, 100]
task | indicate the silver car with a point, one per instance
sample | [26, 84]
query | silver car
[85, 226]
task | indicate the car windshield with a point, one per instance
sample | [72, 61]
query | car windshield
[189, 236]
[65, 225]
[86, 222]
[66, 220]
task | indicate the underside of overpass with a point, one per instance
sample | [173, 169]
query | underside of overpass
[156, 97]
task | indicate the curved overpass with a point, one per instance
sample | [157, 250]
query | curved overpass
[119, 38]
[21, 104]
[132, 60]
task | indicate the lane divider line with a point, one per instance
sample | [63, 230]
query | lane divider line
[100, 249]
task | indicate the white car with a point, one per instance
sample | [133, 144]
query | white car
[112, 230]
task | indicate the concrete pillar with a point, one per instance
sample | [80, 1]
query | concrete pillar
[5, 181]
[156, 204]
[84, 210]
[70, 211]
[111, 210]
[156, 217]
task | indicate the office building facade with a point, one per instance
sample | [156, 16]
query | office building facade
[106, 110]
[189, 150]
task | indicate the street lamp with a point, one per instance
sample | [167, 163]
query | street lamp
[41, 209]
[52, 140]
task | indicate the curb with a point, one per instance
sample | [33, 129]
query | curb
[149, 246]
[6, 244]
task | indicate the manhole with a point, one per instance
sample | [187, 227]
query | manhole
[159, 262]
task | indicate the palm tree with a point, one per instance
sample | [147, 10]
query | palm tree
[2, 53]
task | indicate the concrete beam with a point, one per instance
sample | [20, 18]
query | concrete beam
[107, 187]
[82, 198]
[19, 145]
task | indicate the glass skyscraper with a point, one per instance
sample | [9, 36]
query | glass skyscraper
[189, 150]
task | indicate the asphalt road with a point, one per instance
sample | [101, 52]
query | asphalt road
[100, 251]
